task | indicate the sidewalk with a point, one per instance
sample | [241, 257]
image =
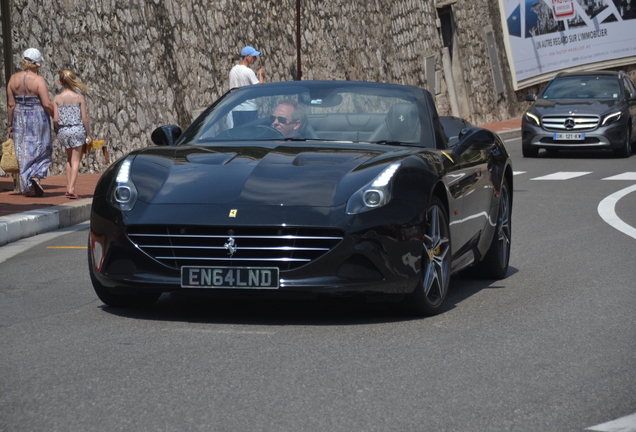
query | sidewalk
[506, 129]
[22, 217]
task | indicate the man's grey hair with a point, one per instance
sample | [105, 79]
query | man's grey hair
[299, 111]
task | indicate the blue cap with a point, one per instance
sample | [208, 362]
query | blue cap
[248, 50]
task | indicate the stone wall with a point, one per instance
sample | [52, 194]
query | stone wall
[154, 62]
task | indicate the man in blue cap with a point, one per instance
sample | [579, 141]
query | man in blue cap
[242, 75]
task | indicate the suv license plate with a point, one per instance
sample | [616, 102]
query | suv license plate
[230, 277]
[569, 136]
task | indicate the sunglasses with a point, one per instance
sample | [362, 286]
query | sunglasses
[281, 120]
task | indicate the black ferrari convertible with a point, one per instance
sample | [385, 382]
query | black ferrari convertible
[305, 188]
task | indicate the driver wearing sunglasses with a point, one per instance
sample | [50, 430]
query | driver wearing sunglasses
[288, 118]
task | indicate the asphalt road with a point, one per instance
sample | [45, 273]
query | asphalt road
[550, 348]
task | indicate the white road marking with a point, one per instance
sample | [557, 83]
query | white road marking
[606, 211]
[562, 175]
[518, 172]
[623, 424]
[624, 176]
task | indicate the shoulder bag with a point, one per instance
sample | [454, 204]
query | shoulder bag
[9, 162]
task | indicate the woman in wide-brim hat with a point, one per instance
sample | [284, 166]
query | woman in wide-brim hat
[30, 110]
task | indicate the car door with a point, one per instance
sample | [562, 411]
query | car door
[457, 184]
[467, 180]
[477, 193]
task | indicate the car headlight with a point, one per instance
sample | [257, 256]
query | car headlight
[533, 119]
[612, 118]
[375, 194]
[123, 193]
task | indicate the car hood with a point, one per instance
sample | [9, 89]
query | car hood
[598, 107]
[266, 175]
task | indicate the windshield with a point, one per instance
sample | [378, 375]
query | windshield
[583, 87]
[307, 111]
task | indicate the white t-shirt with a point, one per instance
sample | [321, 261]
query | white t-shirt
[240, 76]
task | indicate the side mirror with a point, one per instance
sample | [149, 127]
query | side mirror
[632, 97]
[165, 135]
[462, 133]
[475, 139]
[531, 97]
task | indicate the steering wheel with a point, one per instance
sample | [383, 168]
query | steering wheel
[254, 132]
[268, 131]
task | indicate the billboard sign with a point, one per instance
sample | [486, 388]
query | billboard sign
[543, 37]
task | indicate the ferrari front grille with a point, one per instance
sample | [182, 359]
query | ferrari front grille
[572, 123]
[282, 247]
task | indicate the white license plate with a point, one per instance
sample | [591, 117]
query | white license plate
[569, 136]
[230, 277]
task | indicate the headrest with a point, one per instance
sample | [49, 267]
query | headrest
[403, 122]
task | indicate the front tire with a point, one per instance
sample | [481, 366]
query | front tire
[429, 295]
[529, 152]
[108, 297]
[497, 258]
[626, 150]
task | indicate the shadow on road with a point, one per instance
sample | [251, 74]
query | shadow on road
[314, 312]
[464, 287]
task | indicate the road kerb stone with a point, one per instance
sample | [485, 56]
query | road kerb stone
[34, 222]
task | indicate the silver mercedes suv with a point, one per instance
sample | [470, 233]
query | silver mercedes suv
[582, 110]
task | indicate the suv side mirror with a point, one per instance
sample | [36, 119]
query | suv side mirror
[165, 135]
[531, 97]
[632, 97]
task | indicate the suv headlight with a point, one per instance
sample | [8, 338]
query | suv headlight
[611, 118]
[123, 193]
[533, 119]
[375, 194]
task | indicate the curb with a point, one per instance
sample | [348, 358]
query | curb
[510, 134]
[34, 222]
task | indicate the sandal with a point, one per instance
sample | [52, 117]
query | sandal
[37, 187]
[72, 196]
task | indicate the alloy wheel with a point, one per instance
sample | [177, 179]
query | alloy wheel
[436, 260]
[503, 226]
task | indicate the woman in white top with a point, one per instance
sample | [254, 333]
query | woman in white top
[71, 123]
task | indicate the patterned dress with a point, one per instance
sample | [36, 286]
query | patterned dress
[32, 138]
[71, 132]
